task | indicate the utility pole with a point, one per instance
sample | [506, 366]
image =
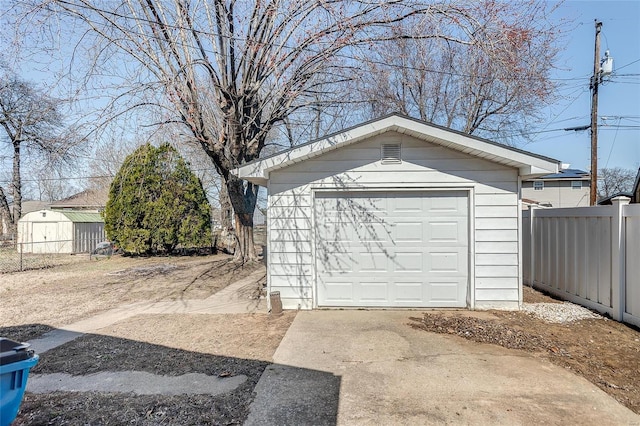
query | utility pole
[595, 80]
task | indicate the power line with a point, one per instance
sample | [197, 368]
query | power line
[612, 145]
[630, 63]
[55, 179]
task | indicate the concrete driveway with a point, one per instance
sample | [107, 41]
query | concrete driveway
[370, 367]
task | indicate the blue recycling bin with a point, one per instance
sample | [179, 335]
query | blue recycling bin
[15, 362]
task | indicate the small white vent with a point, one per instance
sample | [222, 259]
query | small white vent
[391, 153]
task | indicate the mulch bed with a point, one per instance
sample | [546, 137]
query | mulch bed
[95, 353]
[22, 333]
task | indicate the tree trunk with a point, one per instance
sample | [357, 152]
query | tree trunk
[226, 211]
[16, 192]
[5, 214]
[245, 249]
[243, 196]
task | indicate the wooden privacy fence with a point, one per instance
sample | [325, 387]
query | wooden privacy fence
[587, 255]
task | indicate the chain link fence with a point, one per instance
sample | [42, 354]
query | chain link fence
[16, 256]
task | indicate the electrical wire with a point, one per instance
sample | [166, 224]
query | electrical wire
[612, 145]
[630, 63]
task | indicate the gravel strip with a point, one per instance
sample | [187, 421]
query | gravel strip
[559, 312]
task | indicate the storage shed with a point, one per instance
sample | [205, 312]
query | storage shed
[396, 212]
[49, 231]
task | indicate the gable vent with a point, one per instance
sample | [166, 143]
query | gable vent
[391, 153]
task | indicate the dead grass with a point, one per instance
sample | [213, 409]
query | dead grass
[69, 293]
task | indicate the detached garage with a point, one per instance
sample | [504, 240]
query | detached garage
[396, 213]
[50, 231]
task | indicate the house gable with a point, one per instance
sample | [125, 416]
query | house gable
[528, 164]
[359, 165]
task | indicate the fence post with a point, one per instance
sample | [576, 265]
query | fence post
[618, 258]
[532, 254]
[21, 246]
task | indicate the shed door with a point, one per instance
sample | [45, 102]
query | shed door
[392, 249]
[45, 237]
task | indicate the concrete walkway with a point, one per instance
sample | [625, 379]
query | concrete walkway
[137, 382]
[233, 299]
[370, 367]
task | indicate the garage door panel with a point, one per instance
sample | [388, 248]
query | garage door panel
[440, 262]
[335, 263]
[445, 291]
[351, 203]
[338, 293]
[446, 232]
[406, 231]
[408, 249]
[372, 291]
[409, 292]
[442, 204]
[408, 262]
[335, 232]
[405, 205]
[372, 262]
[372, 232]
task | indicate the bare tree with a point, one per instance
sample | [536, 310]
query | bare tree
[231, 71]
[614, 180]
[50, 183]
[492, 87]
[31, 124]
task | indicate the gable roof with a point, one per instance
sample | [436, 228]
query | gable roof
[83, 217]
[90, 198]
[529, 165]
[30, 206]
[566, 174]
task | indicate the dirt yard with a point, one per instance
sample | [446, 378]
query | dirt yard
[68, 293]
[35, 302]
[605, 352]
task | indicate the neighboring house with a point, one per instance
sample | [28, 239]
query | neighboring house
[27, 207]
[634, 194]
[567, 188]
[396, 212]
[50, 231]
[90, 200]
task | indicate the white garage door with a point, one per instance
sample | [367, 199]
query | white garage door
[392, 249]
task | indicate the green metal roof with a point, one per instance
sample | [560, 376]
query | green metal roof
[83, 217]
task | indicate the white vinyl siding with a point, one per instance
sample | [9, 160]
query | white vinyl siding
[493, 193]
